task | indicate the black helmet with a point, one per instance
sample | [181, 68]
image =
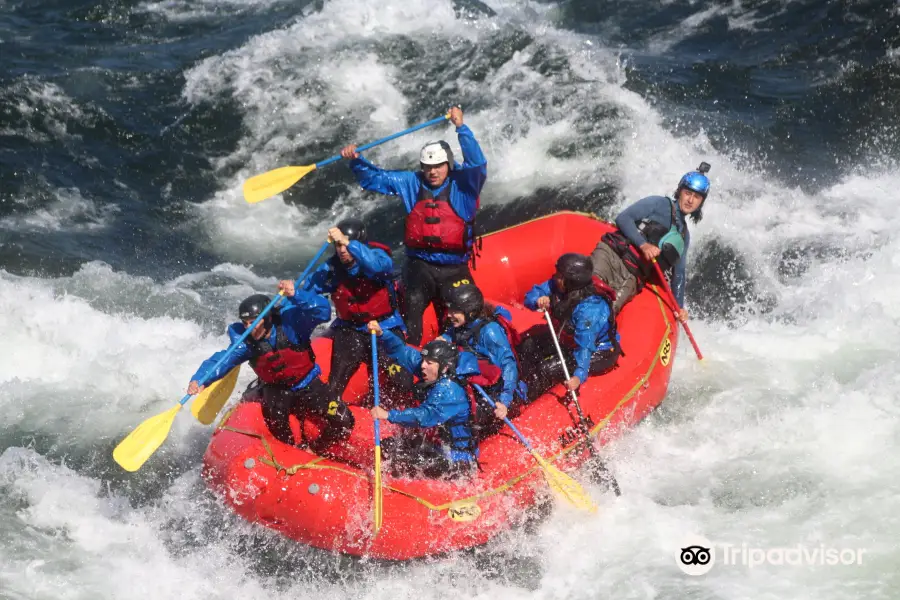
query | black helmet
[467, 299]
[443, 353]
[576, 270]
[253, 306]
[354, 229]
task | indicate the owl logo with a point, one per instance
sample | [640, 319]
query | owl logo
[697, 556]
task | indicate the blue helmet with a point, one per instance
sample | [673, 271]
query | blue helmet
[696, 181]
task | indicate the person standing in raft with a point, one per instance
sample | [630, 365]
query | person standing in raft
[653, 227]
[447, 447]
[580, 307]
[485, 331]
[441, 200]
[280, 354]
[360, 279]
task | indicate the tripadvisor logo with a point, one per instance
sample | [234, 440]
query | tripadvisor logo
[697, 556]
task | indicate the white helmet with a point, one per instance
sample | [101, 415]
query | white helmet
[436, 153]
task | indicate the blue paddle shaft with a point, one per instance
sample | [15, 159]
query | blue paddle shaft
[493, 404]
[336, 158]
[375, 383]
[247, 331]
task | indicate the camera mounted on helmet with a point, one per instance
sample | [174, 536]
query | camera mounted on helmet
[698, 182]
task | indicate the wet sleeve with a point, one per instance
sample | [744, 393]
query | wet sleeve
[406, 356]
[393, 183]
[373, 262]
[472, 154]
[470, 176]
[205, 374]
[589, 320]
[322, 280]
[306, 304]
[434, 411]
[494, 339]
[531, 298]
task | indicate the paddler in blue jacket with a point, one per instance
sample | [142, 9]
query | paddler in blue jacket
[360, 279]
[441, 200]
[280, 354]
[478, 328]
[447, 446]
[653, 227]
[580, 308]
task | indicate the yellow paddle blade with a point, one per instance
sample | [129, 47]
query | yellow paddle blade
[134, 450]
[210, 401]
[378, 491]
[565, 487]
[270, 183]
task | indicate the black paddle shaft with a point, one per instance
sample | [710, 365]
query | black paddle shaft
[603, 474]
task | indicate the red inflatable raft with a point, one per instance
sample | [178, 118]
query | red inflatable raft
[328, 504]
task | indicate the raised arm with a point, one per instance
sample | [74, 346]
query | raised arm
[375, 179]
[374, 263]
[303, 312]
[406, 356]
[322, 280]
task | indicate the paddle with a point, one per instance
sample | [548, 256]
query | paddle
[210, 401]
[140, 444]
[564, 486]
[687, 330]
[271, 183]
[377, 492]
[604, 475]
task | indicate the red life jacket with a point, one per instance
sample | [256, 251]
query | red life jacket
[490, 374]
[562, 307]
[360, 299]
[434, 225]
[284, 365]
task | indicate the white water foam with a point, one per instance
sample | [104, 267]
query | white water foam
[70, 211]
[787, 433]
[327, 73]
[180, 11]
[45, 103]
[86, 373]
